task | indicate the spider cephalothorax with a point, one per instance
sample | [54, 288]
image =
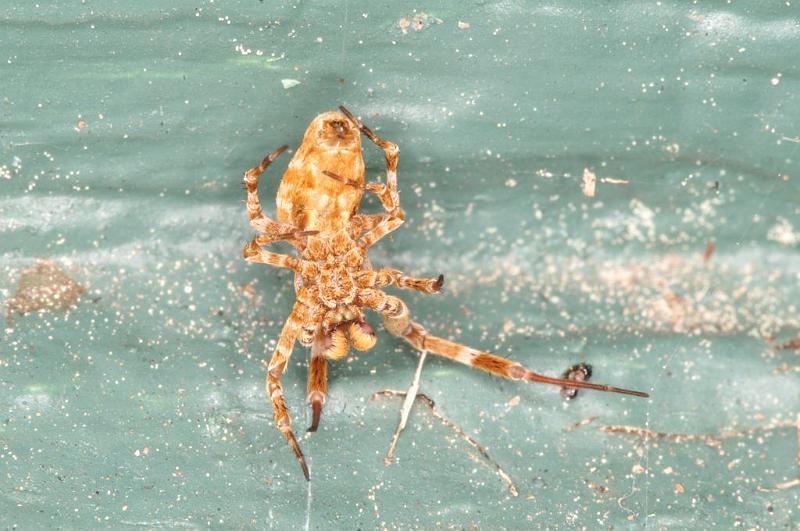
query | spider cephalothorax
[329, 268]
[318, 201]
[331, 273]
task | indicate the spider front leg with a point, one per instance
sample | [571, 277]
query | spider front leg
[273, 231]
[254, 254]
[388, 277]
[258, 220]
[397, 321]
[388, 193]
[277, 366]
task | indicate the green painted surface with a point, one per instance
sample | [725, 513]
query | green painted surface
[496, 123]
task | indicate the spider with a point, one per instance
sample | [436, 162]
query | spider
[318, 214]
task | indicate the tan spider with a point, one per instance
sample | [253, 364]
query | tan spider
[318, 201]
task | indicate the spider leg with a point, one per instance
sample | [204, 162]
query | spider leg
[388, 277]
[384, 227]
[387, 193]
[391, 152]
[365, 222]
[258, 220]
[390, 201]
[397, 321]
[317, 381]
[277, 366]
[254, 254]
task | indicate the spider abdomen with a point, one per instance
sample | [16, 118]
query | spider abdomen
[307, 197]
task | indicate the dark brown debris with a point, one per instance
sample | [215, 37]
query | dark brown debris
[577, 373]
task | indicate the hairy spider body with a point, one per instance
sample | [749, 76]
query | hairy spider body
[317, 203]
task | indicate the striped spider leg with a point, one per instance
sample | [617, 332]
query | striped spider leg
[271, 231]
[296, 323]
[395, 312]
[397, 322]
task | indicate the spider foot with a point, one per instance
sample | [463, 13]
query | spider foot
[290, 438]
[316, 413]
[439, 284]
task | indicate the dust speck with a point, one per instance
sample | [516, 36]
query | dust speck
[418, 21]
[783, 232]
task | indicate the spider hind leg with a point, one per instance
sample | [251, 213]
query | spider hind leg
[397, 321]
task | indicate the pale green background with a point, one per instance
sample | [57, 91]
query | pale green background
[496, 124]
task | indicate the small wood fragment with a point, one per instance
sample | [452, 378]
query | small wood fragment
[588, 183]
[405, 409]
[709, 252]
[788, 484]
[460, 432]
[612, 180]
[790, 344]
[581, 423]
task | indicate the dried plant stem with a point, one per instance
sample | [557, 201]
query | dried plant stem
[797, 460]
[405, 409]
[711, 439]
[796, 481]
[714, 440]
[460, 432]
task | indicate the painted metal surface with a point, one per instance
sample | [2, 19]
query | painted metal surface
[125, 131]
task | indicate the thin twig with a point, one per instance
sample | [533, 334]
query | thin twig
[788, 484]
[714, 440]
[612, 180]
[797, 459]
[796, 481]
[405, 409]
[786, 368]
[581, 423]
[711, 439]
[460, 432]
